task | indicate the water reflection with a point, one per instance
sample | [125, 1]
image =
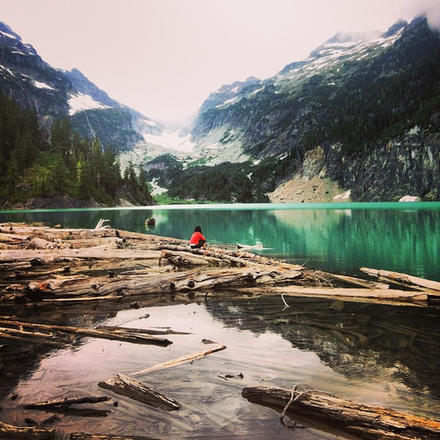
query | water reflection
[361, 342]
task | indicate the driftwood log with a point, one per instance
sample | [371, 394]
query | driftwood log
[16, 328]
[127, 386]
[403, 279]
[180, 360]
[10, 432]
[84, 436]
[66, 402]
[332, 412]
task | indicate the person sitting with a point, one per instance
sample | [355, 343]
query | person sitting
[197, 240]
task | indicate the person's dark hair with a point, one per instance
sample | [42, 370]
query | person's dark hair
[198, 229]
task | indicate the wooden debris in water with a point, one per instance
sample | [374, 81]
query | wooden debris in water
[404, 279]
[113, 265]
[180, 360]
[117, 333]
[332, 412]
[11, 432]
[136, 390]
[67, 402]
[85, 436]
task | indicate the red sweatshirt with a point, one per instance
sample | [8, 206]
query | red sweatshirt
[196, 237]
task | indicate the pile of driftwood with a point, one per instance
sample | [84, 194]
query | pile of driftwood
[46, 266]
[49, 265]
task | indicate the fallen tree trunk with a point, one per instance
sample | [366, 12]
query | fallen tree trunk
[10, 432]
[365, 421]
[388, 296]
[136, 390]
[404, 279]
[122, 334]
[165, 282]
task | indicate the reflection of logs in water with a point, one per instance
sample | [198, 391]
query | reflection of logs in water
[352, 338]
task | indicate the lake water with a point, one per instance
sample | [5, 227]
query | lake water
[375, 354]
[403, 237]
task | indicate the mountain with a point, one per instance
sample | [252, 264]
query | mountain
[357, 118]
[29, 80]
[54, 93]
[361, 112]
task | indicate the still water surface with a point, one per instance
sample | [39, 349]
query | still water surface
[403, 237]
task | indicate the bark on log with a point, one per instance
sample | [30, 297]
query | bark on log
[365, 421]
[10, 432]
[136, 390]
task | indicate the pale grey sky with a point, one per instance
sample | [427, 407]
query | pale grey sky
[164, 57]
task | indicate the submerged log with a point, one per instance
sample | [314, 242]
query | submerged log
[180, 360]
[136, 390]
[67, 402]
[364, 421]
[10, 432]
[122, 334]
[85, 436]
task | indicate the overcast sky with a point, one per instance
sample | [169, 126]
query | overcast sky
[164, 57]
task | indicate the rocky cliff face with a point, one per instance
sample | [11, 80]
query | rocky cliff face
[404, 166]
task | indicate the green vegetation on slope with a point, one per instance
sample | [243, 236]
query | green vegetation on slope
[35, 162]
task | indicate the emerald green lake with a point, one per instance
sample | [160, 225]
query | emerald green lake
[402, 237]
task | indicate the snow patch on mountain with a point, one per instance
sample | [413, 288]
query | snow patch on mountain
[80, 102]
[42, 85]
[171, 140]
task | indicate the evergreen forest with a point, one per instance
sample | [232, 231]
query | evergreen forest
[49, 159]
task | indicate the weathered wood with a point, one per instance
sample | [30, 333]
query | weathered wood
[122, 334]
[15, 265]
[66, 402]
[183, 259]
[167, 331]
[10, 432]
[180, 360]
[365, 421]
[30, 338]
[40, 243]
[404, 278]
[85, 436]
[100, 224]
[136, 390]
[165, 282]
[38, 274]
[13, 238]
[357, 281]
[386, 296]
[103, 251]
